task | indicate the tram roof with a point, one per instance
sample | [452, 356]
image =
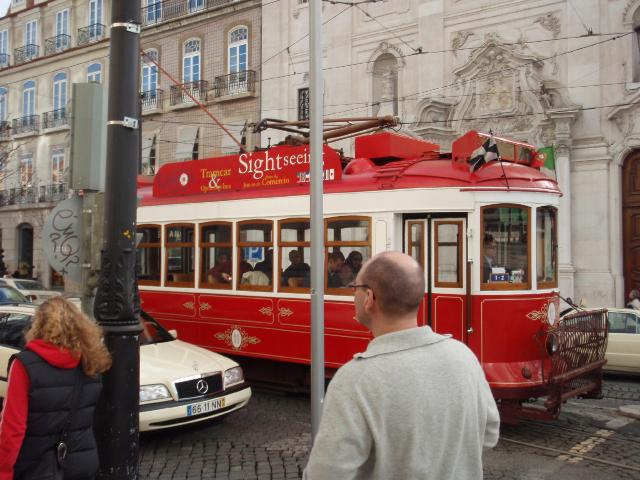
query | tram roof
[383, 161]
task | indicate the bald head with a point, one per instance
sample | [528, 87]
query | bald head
[397, 281]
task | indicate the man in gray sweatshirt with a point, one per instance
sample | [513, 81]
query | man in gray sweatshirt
[415, 404]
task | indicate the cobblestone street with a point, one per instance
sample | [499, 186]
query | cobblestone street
[270, 440]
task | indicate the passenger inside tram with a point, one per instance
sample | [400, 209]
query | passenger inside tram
[298, 273]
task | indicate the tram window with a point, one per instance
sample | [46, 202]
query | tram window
[547, 251]
[416, 241]
[180, 255]
[295, 255]
[148, 254]
[505, 248]
[216, 255]
[255, 250]
[348, 246]
[448, 254]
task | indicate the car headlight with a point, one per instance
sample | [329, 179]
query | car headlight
[153, 392]
[232, 376]
[553, 344]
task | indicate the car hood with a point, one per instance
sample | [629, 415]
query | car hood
[166, 362]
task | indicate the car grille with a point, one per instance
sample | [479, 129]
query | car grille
[189, 388]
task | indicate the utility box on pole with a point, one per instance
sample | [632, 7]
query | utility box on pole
[89, 137]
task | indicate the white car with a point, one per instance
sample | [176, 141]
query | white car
[623, 349]
[180, 383]
[31, 289]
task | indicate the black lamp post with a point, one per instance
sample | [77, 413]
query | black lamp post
[117, 303]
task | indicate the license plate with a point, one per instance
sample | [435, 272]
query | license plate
[205, 407]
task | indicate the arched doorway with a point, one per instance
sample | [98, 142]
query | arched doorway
[631, 221]
[25, 250]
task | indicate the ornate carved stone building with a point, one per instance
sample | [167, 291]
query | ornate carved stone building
[550, 72]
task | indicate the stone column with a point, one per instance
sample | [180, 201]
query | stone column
[566, 271]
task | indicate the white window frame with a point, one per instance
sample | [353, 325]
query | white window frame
[95, 76]
[26, 170]
[234, 54]
[149, 75]
[95, 12]
[195, 5]
[189, 72]
[29, 98]
[31, 32]
[60, 92]
[62, 22]
[4, 104]
[57, 165]
[4, 41]
[153, 12]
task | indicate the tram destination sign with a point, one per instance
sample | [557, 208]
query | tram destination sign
[282, 166]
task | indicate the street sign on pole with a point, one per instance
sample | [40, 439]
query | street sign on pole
[62, 238]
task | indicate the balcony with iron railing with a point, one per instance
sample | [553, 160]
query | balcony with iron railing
[198, 90]
[151, 99]
[57, 44]
[4, 60]
[162, 11]
[26, 53]
[53, 193]
[90, 34]
[235, 83]
[55, 118]
[27, 124]
[5, 131]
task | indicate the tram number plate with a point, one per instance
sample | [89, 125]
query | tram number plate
[205, 407]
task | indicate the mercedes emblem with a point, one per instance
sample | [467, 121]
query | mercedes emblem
[202, 387]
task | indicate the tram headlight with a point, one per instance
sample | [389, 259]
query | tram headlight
[553, 344]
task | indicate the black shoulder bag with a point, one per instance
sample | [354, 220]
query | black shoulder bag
[51, 464]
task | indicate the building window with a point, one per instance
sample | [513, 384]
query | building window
[187, 143]
[31, 33]
[94, 73]
[95, 12]
[149, 155]
[195, 5]
[303, 103]
[29, 99]
[4, 42]
[59, 94]
[150, 73]
[26, 170]
[62, 22]
[191, 61]
[4, 97]
[153, 11]
[238, 49]
[57, 166]
[505, 248]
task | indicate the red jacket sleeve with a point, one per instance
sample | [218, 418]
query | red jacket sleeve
[13, 423]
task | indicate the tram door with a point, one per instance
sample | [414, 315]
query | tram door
[438, 244]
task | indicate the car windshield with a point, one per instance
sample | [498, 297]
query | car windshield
[11, 295]
[152, 331]
[28, 285]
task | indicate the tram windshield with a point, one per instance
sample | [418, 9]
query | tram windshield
[505, 247]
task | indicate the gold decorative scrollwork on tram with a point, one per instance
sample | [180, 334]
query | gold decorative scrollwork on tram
[189, 305]
[204, 306]
[285, 312]
[266, 311]
[237, 338]
[538, 315]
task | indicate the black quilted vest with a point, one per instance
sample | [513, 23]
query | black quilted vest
[50, 397]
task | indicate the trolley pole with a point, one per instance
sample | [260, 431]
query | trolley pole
[117, 303]
[316, 129]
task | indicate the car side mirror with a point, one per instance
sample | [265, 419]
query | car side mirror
[173, 333]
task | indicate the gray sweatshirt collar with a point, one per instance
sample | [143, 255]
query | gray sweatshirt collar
[401, 340]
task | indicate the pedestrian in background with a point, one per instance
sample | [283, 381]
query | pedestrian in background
[634, 300]
[415, 404]
[53, 388]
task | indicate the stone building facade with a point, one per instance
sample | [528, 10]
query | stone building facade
[212, 47]
[550, 72]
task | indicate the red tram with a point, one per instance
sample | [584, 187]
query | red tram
[224, 254]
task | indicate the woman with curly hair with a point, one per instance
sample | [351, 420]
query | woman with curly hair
[53, 388]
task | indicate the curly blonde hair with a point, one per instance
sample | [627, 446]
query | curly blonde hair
[59, 322]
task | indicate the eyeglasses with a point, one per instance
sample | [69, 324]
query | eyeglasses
[354, 285]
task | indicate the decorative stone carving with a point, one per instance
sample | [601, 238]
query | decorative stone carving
[551, 23]
[386, 47]
[459, 39]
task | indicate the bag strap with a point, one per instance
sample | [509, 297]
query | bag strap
[72, 408]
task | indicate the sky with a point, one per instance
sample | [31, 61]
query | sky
[4, 5]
